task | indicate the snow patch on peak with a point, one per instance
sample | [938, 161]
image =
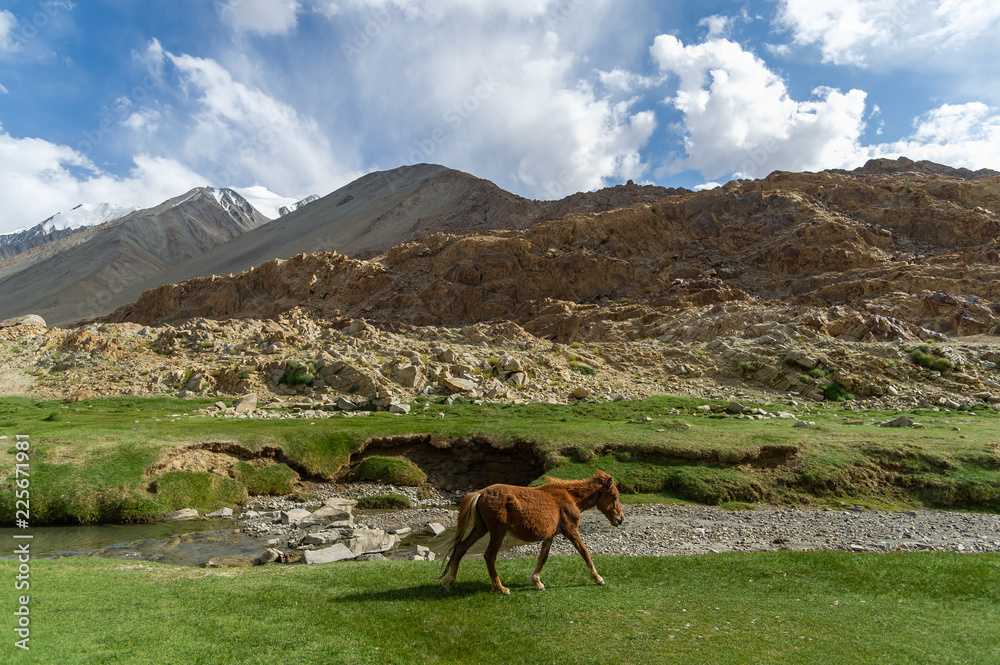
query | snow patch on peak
[284, 210]
[264, 200]
[86, 214]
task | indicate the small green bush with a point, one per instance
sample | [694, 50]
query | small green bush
[297, 374]
[583, 369]
[835, 392]
[921, 357]
[817, 373]
[747, 366]
[392, 470]
[383, 502]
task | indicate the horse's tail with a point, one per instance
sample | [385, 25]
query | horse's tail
[468, 514]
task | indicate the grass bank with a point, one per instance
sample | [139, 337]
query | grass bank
[90, 461]
[784, 607]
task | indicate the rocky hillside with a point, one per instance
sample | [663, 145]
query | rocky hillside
[84, 274]
[876, 283]
[857, 256]
[384, 209]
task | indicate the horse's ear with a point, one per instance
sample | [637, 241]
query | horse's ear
[605, 478]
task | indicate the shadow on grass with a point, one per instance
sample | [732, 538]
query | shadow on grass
[471, 588]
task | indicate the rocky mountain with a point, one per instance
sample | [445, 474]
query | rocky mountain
[384, 209]
[83, 274]
[861, 255]
[59, 226]
[284, 210]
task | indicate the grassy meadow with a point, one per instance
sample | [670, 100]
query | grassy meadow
[89, 460]
[781, 607]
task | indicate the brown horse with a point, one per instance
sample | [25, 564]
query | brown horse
[531, 514]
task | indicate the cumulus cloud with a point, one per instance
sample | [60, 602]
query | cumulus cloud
[509, 99]
[264, 17]
[39, 178]
[926, 33]
[964, 135]
[739, 119]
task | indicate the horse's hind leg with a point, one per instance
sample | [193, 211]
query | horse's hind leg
[478, 531]
[496, 539]
[543, 556]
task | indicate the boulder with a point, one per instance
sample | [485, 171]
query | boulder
[293, 516]
[338, 552]
[245, 403]
[401, 409]
[181, 515]
[366, 541]
[320, 538]
[221, 513]
[27, 319]
[901, 421]
[457, 385]
[269, 555]
[434, 529]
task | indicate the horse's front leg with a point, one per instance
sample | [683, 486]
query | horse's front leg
[496, 540]
[543, 556]
[573, 534]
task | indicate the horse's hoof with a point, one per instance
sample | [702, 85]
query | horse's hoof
[503, 590]
[540, 586]
[599, 580]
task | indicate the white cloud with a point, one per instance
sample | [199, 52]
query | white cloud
[265, 17]
[961, 135]
[3, 90]
[507, 100]
[931, 34]
[718, 26]
[738, 117]
[39, 178]
[7, 24]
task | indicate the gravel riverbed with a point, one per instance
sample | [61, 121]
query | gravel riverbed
[666, 530]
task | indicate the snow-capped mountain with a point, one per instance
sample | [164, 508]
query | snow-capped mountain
[59, 226]
[284, 210]
[264, 200]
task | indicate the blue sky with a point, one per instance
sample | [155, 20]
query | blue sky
[134, 102]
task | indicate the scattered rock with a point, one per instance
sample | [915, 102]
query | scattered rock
[221, 513]
[245, 403]
[900, 421]
[338, 552]
[181, 515]
[434, 529]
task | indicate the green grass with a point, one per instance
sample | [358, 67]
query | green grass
[89, 463]
[389, 470]
[271, 480]
[819, 607]
[924, 358]
[383, 502]
[198, 489]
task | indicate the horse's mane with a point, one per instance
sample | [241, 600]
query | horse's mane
[575, 483]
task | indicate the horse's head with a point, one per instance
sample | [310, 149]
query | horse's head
[608, 502]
